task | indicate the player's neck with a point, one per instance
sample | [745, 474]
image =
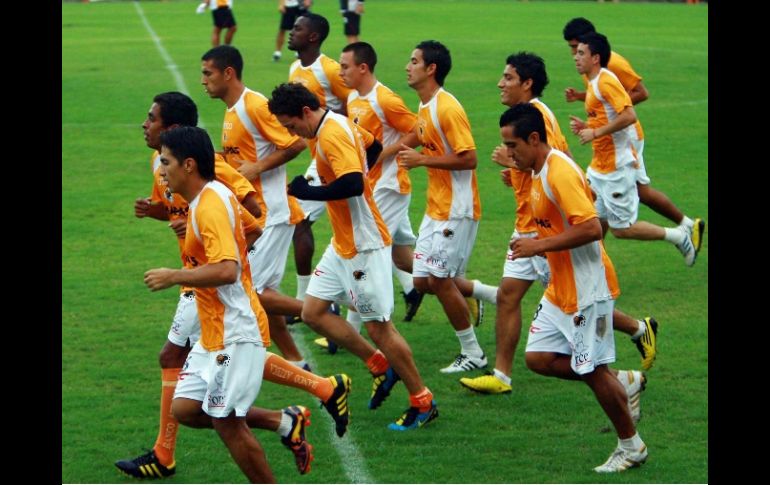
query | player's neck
[309, 55]
[542, 155]
[427, 91]
[593, 72]
[366, 86]
[234, 94]
[193, 188]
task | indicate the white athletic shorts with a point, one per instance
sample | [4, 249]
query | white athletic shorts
[528, 269]
[617, 199]
[186, 327]
[443, 247]
[313, 209]
[586, 335]
[268, 257]
[394, 209]
[223, 380]
[641, 171]
[363, 281]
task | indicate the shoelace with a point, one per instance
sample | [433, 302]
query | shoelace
[616, 459]
[460, 359]
[145, 459]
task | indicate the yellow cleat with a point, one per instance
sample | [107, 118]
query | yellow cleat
[486, 384]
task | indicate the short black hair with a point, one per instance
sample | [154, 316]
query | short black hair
[225, 56]
[318, 24]
[598, 44]
[530, 66]
[525, 120]
[434, 52]
[363, 53]
[577, 27]
[191, 142]
[176, 109]
[288, 99]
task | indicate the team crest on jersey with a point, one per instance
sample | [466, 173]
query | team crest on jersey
[359, 275]
[579, 320]
[223, 359]
[448, 233]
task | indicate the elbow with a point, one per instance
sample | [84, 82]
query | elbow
[229, 272]
[595, 231]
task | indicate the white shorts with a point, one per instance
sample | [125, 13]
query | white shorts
[225, 380]
[186, 327]
[617, 199]
[444, 247]
[313, 209]
[528, 269]
[641, 172]
[363, 281]
[268, 258]
[586, 335]
[394, 209]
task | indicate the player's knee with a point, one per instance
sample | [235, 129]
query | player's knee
[624, 233]
[422, 285]
[536, 363]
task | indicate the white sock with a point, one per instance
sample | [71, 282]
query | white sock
[687, 222]
[407, 283]
[302, 282]
[484, 292]
[277, 53]
[633, 443]
[285, 427]
[354, 319]
[674, 235]
[298, 363]
[468, 343]
[503, 378]
[623, 377]
[641, 331]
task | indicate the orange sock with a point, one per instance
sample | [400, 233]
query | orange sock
[422, 400]
[279, 371]
[377, 363]
[166, 442]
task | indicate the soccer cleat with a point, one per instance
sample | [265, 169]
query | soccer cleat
[381, 387]
[486, 384]
[334, 308]
[327, 344]
[413, 418]
[687, 249]
[648, 343]
[476, 308]
[634, 382]
[277, 56]
[621, 460]
[146, 466]
[463, 363]
[412, 301]
[699, 225]
[337, 404]
[296, 442]
[307, 367]
[292, 320]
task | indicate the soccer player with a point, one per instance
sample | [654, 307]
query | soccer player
[259, 147]
[222, 13]
[610, 130]
[448, 229]
[290, 11]
[223, 373]
[321, 75]
[383, 113]
[523, 81]
[351, 11]
[571, 336]
[637, 91]
[355, 267]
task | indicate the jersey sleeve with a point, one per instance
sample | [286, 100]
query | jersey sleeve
[271, 129]
[623, 70]
[341, 152]
[216, 234]
[570, 191]
[338, 87]
[614, 93]
[397, 114]
[237, 183]
[457, 129]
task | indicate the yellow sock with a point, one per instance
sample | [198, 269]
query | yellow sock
[166, 442]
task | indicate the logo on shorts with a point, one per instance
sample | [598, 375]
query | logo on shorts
[448, 233]
[617, 195]
[359, 275]
[580, 351]
[223, 359]
[216, 401]
[579, 320]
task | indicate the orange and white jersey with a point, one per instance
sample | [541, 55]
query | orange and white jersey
[443, 128]
[356, 221]
[521, 182]
[384, 114]
[605, 99]
[215, 4]
[323, 79]
[561, 197]
[216, 229]
[251, 132]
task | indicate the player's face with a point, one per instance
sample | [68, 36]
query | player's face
[171, 170]
[522, 153]
[573, 45]
[511, 90]
[299, 35]
[297, 125]
[213, 79]
[416, 71]
[153, 127]
[350, 72]
[583, 59]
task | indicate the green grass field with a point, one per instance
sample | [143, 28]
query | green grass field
[546, 431]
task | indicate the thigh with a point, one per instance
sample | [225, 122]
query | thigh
[268, 257]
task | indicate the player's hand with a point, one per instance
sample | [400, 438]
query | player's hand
[500, 156]
[159, 278]
[298, 187]
[248, 169]
[179, 226]
[505, 176]
[525, 247]
[142, 207]
[570, 95]
[576, 124]
[587, 135]
[408, 157]
[201, 8]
